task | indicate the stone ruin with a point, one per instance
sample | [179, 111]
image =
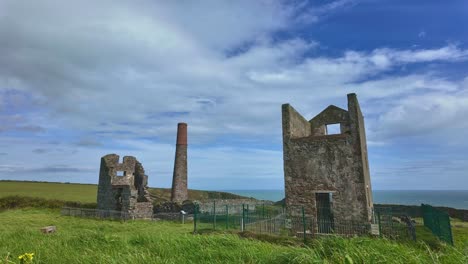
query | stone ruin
[327, 174]
[124, 187]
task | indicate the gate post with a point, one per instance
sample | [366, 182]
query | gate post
[195, 218]
[304, 224]
[214, 215]
[380, 225]
[243, 218]
[227, 217]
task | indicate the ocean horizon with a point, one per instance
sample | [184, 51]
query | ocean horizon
[449, 198]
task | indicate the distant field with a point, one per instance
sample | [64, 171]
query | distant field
[87, 193]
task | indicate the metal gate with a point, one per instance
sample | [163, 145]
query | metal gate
[325, 222]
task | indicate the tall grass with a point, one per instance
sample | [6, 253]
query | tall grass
[100, 241]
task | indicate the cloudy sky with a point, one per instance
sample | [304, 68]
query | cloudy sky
[81, 79]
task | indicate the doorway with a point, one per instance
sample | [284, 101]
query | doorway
[325, 223]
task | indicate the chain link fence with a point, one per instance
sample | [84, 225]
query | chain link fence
[95, 213]
[122, 216]
[275, 220]
[237, 217]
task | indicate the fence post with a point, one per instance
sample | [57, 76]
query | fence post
[243, 218]
[214, 215]
[450, 230]
[227, 217]
[195, 218]
[270, 225]
[380, 226]
[304, 224]
[412, 229]
[248, 220]
[437, 224]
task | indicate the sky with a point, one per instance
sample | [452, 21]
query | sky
[82, 79]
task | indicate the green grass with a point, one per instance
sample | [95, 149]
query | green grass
[87, 193]
[460, 232]
[101, 241]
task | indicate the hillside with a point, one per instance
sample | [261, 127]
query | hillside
[87, 193]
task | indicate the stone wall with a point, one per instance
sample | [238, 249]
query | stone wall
[315, 162]
[123, 187]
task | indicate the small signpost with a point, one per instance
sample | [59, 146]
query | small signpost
[183, 213]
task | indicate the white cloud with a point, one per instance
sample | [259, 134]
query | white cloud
[441, 113]
[447, 53]
[125, 63]
[123, 71]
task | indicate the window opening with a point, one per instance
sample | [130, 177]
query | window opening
[333, 129]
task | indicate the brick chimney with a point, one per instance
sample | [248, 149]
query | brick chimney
[179, 180]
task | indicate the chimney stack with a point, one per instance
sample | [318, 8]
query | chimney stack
[179, 179]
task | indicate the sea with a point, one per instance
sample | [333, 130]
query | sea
[449, 198]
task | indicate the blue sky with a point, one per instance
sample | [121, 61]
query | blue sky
[79, 80]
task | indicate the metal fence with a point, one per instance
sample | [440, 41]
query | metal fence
[275, 220]
[95, 213]
[237, 217]
[438, 222]
[393, 224]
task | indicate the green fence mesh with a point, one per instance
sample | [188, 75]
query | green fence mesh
[438, 222]
[276, 220]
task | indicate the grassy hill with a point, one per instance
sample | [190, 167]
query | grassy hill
[80, 240]
[87, 193]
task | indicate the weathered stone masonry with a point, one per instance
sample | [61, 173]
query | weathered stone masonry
[179, 180]
[123, 187]
[324, 170]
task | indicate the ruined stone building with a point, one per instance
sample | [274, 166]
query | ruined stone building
[327, 173]
[179, 180]
[124, 187]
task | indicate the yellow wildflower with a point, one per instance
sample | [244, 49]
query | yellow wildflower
[26, 258]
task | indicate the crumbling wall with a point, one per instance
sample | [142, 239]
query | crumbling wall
[123, 187]
[315, 162]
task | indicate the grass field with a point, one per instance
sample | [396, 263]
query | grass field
[460, 233]
[87, 193]
[100, 241]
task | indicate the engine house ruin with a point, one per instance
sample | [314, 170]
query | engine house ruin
[327, 173]
[124, 187]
